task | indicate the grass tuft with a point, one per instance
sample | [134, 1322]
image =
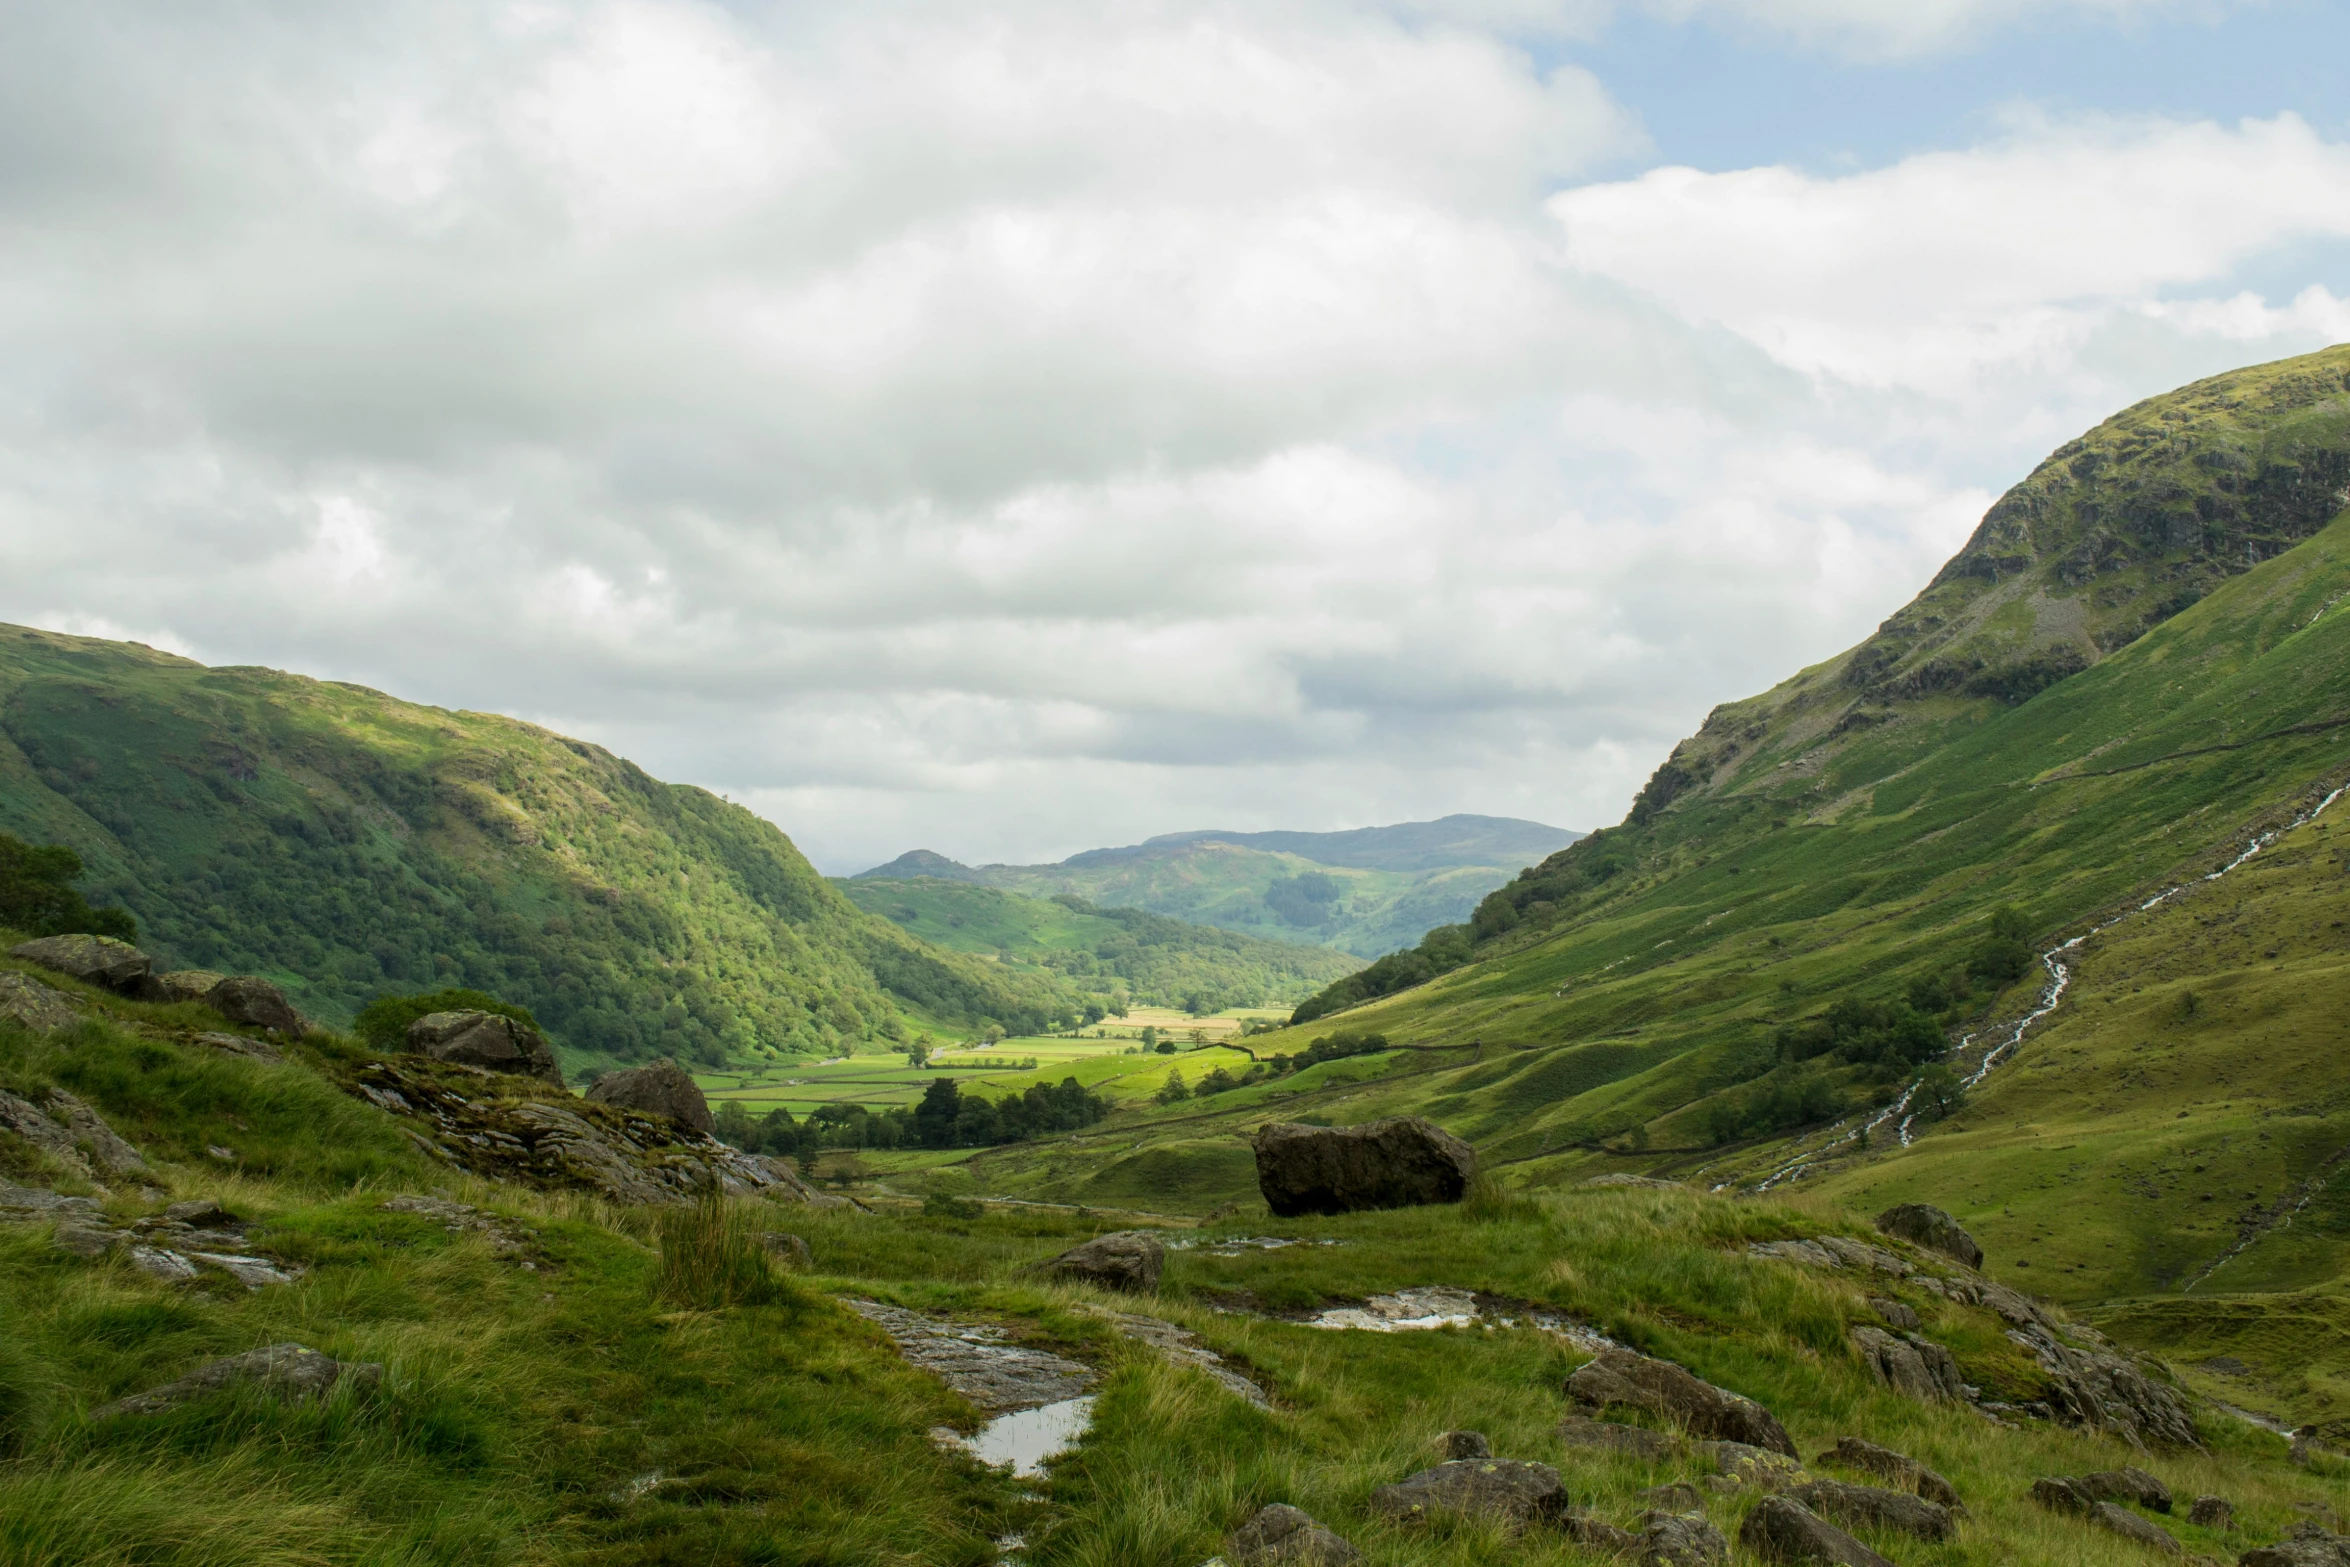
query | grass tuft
[712, 1258]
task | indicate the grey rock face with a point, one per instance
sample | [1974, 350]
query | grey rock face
[1779, 1530]
[67, 1129]
[1129, 1261]
[1866, 1506]
[1900, 1469]
[486, 1040]
[290, 1371]
[256, 1003]
[1622, 1376]
[663, 1088]
[33, 1006]
[1614, 1437]
[1464, 1444]
[976, 1363]
[94, 960]
[2127, 1484]
[2212, 1512]
[1912, 1365]
[1922, 1224]
[1499, 1488]
[1284, 1536]
[1681, 1539]
[1895, 1314]
[1402, 1162]
[187, 984]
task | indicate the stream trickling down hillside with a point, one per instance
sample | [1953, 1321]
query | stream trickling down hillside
[2060, 976]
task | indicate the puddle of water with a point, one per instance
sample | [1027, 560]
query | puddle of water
[1024, 1439]
[1405, 1311]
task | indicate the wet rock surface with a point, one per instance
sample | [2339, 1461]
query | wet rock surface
[94, 960]
[487, 1040]
[1431, 1306]
[979, 1361]
[1900, 1470]
[1923, 1224]
[1284, 1536]
[1401, 1162]
[1871, 1507]
[663, 1088]
[1623, 1376]
[1129, 1261]
[33, 1006]
[1781, 1530]
[1495, 1488]
[506, 1127]
[1181, 1347]
[289, 1371]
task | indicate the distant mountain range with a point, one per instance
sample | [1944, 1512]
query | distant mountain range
[1365, 891]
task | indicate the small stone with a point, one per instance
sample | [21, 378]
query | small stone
[1500, 1488]
[1623, 1376]
[1755, 1466]
[1895, 1313]
[789, 1250]
[252, 1272]
[1614, 1436]
[1868, 1507]
[1854, 1453]
[1779, 1530]
[1681, 1539]
[1597, 1534]
[224, 1155]
[199, 1214]
[1128, 1261]
[1284, 1536]
[2060, 1495]
[290, 1371]
[1913, 1365]
[159, 1263]
[1922, 1224]
[2127, 1524]
[2211, 1512]
[239, 1045]
[1464, 1444]
[2128, 1484]
[1677, 1496]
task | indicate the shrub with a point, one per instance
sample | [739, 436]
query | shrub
[37, 895]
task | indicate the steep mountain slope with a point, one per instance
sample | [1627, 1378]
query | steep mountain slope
[1366, 891]
[346, 843]
[1149, 958]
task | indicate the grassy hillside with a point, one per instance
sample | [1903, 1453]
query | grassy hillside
[1379, 888]
[1146, 957]
[345, 843]
[557, 1386]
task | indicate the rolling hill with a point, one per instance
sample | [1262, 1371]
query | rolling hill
[1146, 957]
[345, 843]
[1364, 891]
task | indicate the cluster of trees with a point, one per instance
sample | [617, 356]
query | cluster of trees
[946, 1117]
[1160, 961]
[38, 897]
[1330, 1047]
[1440, 952]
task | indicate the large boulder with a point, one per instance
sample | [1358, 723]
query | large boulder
[1923, 1224]
[2317, 1549]
[186, 984]
[1128, 1261]
[2126, 1484]
[487, 1040]
[1901, 1469]
[1779, 1530]
[1911, 1364]
[94, 960]
[1501, 1489]
[1284, 1536]
[1401, 1162]
[256, 1003]
[33, 1006]
[664, 1088]
[1868, 1507]
[288, 1371]
[1622, 1376]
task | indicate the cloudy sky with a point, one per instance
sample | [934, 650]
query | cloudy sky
[1009, 429]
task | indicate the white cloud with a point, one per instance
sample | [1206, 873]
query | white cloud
[1903, 28]
[1018, 430]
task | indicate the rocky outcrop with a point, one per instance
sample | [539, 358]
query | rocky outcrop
[187, 984]
[663, 1088]
[505, 1127]
[73, 1134]
[1922, 1224]
[1611, 1436]
[1681, 1539]
[1501, 1489]
[486, 1040]
[185, 1242]
[1911, 1364]
[1898, 1315]
[1283, 1536]
[1898, 1468]
[33, 1006]
[1401, 1162]
[1780, 1530]
[94, 960]
[256, 1003]
[1868, 1507]
[1128, 1261]
[1622, 1376]
[978, 1363]
[287, 1371]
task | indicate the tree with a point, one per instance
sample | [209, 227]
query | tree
[1173, 1089]
[1094, 1013]
[1118, 1003]
[37, 894]
[1150, 1037]
[936, 1115]
[1939, 1092]
[1216, 1082]
[918, 1053]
